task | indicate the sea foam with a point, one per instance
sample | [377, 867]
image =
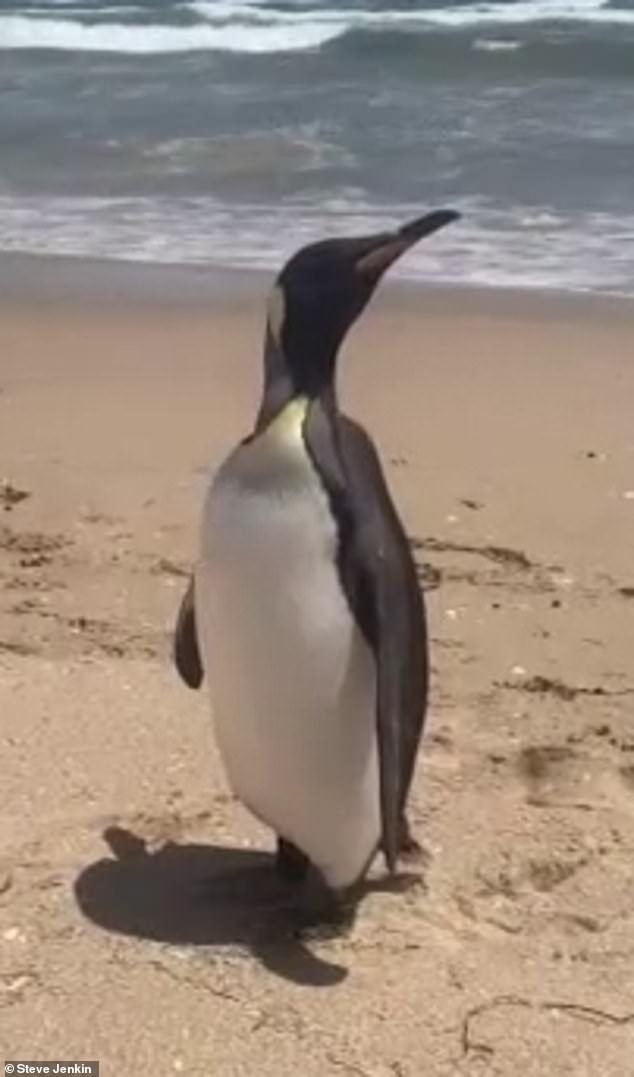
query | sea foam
[252, 27]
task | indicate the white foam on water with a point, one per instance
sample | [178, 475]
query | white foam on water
[518, 12]
[79, 10]
[249, 26]
[300, 148]
[530, 247]
[527, 11]
[20, 32]
[485, 44]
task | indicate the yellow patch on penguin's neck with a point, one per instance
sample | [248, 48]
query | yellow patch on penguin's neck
[286, 427]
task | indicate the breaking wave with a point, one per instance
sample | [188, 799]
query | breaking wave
[255, 26]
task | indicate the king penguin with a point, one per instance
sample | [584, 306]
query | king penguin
[304, 610]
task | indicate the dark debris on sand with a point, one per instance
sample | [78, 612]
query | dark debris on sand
[11, 495]
[500, 554]
[550, 685]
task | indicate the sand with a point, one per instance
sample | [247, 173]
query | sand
[139, 921]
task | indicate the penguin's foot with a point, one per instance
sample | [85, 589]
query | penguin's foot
[312, 925]
[324, 913]
[409, 849]
[401, 883]
[323, 931]
[291, 864]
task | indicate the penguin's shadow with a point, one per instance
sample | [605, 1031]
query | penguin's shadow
[199, 895]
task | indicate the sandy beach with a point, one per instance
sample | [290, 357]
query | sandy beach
[138, 912]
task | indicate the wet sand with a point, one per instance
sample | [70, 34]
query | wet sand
[139, 922]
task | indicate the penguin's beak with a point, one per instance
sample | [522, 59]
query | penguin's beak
[379, 254]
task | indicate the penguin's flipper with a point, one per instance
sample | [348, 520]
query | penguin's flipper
[186, 651]
[400, 696]
[379, 577]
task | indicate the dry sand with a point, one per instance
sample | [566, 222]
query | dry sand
[137, 910]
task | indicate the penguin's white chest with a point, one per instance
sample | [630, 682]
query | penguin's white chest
[292, 680]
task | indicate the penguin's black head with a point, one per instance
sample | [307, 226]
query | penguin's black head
[323, 289]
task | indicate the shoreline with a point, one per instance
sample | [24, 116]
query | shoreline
[70, 280]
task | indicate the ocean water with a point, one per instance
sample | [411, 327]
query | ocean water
[229, 132]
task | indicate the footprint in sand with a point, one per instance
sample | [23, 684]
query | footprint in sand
[545, 768]
[556, 776]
